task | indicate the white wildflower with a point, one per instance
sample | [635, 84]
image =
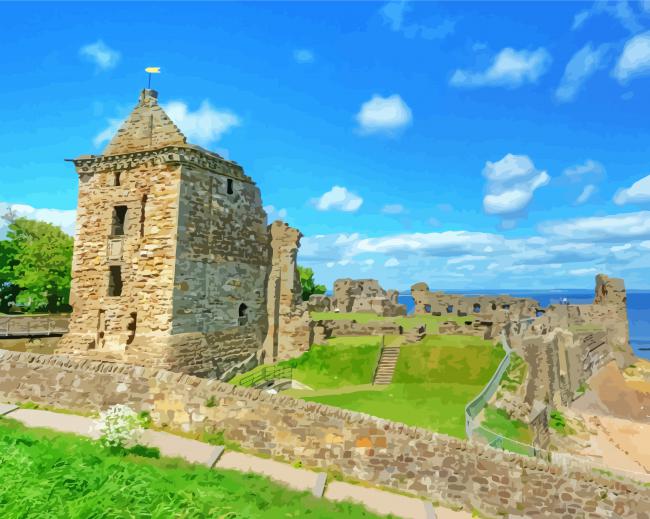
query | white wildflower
[119, 426]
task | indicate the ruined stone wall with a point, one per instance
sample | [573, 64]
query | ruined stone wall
[222, 253]
[484, 329]
[365, 295]
[290, 330]
[358, 446]
[499, 309]
[145, 252]
[351, 328]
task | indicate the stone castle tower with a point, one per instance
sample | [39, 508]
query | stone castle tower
[172, 253]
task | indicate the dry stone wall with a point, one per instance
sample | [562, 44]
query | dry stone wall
[359, 446]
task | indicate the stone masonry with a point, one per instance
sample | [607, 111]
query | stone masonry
[365, 295]
[358, 446]
[172, 253]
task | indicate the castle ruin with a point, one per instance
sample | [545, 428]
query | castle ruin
[174, 266]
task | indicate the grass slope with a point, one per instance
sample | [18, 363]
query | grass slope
[345, 361]
[433, 382]
[51, 475]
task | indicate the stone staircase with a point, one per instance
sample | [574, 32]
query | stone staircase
[386, 365]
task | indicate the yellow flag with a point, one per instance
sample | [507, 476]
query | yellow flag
[152, 70]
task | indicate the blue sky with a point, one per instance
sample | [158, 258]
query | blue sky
[468, 145]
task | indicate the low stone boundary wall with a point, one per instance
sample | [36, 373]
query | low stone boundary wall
[352, 328]
[359, 446]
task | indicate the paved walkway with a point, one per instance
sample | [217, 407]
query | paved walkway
[375, 500]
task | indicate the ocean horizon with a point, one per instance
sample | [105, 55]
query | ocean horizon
[638, 308]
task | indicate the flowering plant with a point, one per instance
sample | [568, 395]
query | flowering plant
[119, 427]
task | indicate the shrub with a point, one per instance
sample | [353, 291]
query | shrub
[120, 427]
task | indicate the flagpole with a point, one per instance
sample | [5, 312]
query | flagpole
[149, 84]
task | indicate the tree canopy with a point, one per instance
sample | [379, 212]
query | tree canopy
[35, 266]
[308, 284]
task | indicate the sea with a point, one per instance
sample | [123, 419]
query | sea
[638, 308]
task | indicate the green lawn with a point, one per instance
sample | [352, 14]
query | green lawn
[498, 421]
[412, 321]
[50, 475]
[433, 382]
[345, 361]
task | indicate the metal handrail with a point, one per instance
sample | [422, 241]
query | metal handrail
[381, 350]
[267, 373]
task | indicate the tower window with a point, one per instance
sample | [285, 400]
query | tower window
[229, 186]
[116, 178]
[243, 314]
[450, 309]
[143, 214]
[133, 320]
[477, 308]
[119, 219]
[115, 281]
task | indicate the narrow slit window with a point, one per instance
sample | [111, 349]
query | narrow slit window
[229, 186]
[115, 281]
[116, 179]
[133, 321]
[143, 214]
[119, 220]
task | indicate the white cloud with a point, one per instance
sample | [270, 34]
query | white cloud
[275, 214]
[637, 193]
[467, 267]
[583, 272]
[339, 198]
[330, 264]
[619, 10]
[512, 181]
[303, 56]
[580, 67]
[510, 68]
[465, 258]
[100, 54]
[384, 114]
[391, 262]
[204, 125]
[64, 218]
[107, 133]
[589, 168]
[392, 209]
[635, 58]
[620, 248]
[602, 228]
[394, 15]
[588, 190]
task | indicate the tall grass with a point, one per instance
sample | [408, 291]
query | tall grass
[50, 475]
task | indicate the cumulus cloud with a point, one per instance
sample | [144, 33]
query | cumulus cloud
[303, 56]
[64, 218]
[512, 181]
[391, 262]
[637, 193]
[100, 54]
[338, 198]
[275, 214]
[204, 125]
[582, 65]
[384, 115]
[392, 209]
[394, 15]
[614, 227]
[586, 193]
[635, 58]
[510, 68]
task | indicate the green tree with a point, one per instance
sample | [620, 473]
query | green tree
[308, 284]
[37, 258]
[8, 290]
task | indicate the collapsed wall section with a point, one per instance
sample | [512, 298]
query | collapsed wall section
[290, 330]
